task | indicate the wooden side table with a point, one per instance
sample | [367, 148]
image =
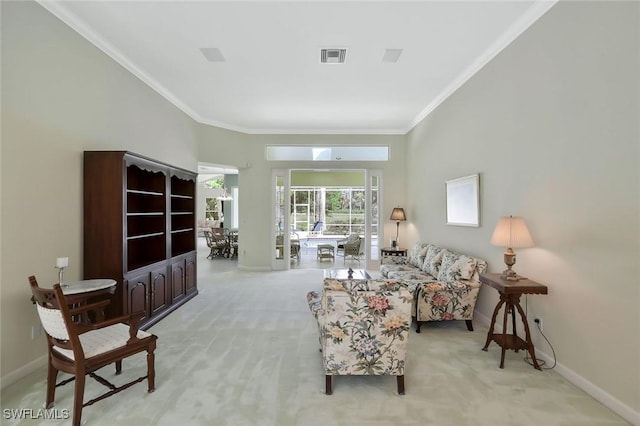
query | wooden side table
[393, 251]
[510, 292]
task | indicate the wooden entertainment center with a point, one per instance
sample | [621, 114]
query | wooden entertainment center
[140, 230]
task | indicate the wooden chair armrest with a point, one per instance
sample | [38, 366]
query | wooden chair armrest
[133, 320]
[134, 325]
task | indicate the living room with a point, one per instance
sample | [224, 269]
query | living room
[549, 124]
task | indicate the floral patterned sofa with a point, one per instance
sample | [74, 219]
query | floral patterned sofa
[445, 284]
[363, 327]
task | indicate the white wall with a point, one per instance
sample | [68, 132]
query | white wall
[551, 125]
[60, 96]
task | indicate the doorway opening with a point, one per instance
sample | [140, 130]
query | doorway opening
[326, 218]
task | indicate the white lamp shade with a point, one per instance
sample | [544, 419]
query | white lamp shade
[511, 232]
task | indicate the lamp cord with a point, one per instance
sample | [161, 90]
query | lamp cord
[541, 362]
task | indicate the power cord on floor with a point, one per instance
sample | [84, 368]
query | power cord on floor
[541, 362]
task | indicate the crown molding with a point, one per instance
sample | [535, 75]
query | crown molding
[535, 12]
[538, 9]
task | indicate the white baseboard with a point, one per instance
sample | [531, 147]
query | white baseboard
[23, 371]
[599, 394]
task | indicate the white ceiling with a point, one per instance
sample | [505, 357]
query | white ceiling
[272, 80]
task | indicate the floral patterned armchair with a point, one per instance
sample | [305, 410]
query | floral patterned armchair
[364, 326]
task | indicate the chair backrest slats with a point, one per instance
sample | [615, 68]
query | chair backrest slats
[55, 317]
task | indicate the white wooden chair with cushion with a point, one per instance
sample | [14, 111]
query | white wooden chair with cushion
[79, 348]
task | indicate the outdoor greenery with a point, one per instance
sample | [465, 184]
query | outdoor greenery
[344, 209]
[214, 183]
[211, 209]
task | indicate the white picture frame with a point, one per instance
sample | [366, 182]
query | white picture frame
[463, 201]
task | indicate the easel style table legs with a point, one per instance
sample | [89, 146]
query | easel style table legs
[510, 341]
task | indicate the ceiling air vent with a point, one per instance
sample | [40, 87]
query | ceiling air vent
[333, 56]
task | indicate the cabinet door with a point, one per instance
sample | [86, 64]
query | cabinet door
[160, 290]
[178, 280]
[137, 295]
[191, 274]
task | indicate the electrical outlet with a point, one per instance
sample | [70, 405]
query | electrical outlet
[539, 323]
[36, 331]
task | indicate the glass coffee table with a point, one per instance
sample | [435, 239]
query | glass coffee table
[344, 274]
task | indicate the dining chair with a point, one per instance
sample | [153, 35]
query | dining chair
[80, 348]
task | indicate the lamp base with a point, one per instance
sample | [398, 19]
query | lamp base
[509, 260]
[509, 275]
[61, 276]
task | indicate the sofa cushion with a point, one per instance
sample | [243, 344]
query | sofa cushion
[415, 275]
[432, 260]
[361, 285]
[385, 270]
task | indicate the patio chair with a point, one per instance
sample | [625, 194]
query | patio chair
[317, 229]
[354, 250]
[350, 239]
[232, 241]
[295, 245]
[216, 242]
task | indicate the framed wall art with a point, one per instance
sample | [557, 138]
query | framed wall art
[463, 201]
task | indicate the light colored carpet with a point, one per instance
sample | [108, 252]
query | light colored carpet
[245, 352]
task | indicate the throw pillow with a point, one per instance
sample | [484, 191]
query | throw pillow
[432, 260]
[456, 267]
[418, 252]
[445, 273]
[464, 267]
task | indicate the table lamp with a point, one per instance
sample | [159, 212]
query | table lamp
[511, 232]
[398, 215]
